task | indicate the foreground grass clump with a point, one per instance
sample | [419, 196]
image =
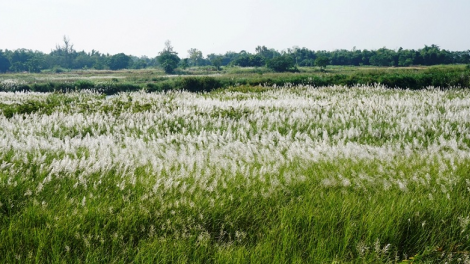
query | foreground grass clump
[298, 175]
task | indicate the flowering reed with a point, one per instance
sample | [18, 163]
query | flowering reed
[225, 171]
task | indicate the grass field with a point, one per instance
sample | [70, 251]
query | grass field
[199, 79]
[274, 175]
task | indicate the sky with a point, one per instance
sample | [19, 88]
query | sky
[141, 27]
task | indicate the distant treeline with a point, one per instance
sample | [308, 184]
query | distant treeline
[65, 57]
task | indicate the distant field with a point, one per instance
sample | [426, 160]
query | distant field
[270, 175]
[199, 79]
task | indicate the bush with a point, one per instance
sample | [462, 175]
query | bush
[281, 64]
[199, 84]
[110, 88]
[84, 84]
[58, 69]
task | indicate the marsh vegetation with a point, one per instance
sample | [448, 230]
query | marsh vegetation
[292, 174]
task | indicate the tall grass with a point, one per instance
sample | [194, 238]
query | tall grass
[298, 175]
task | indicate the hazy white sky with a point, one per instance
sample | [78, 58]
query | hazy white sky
[141, 27]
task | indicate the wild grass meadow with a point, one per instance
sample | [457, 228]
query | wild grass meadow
[295, 174]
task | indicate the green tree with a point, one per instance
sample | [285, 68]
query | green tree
[241, 59]
[384, 57]
[184, 63]
[139, 64]
[18, 59]
[83, 61]
[99, 60]
[4, 62]
[405, 57]
[281, 63]
[33, 64]
[64, 55]
[304, 56]
[168, 59]
[257, 61]
[195, 57]
[322, 62]
[217, 62]
[266, 53]
[26, 60]
[119, 61]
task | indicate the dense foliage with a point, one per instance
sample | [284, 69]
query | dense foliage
[168, 61]
[119, 61]
[168, 58]
[281, 64]
[66, 57]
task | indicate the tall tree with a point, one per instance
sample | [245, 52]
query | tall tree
[195, 57]
[64, 53]
[168, 59]
[4, 62]
[322, 62]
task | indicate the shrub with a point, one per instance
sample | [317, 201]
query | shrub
[199, 84]
[114, 88]
[84, 84]
[58, 69]
[281, 64]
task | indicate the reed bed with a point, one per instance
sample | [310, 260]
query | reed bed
[287, 175]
